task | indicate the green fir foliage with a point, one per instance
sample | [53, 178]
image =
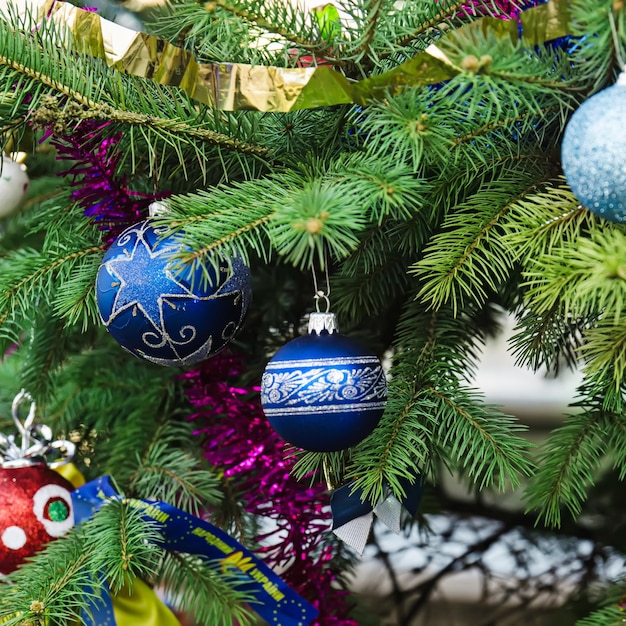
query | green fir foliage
[429, 206]
[608, 616]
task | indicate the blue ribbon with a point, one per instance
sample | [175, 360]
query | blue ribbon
[273, 600]
[99, 611]
[353, 517]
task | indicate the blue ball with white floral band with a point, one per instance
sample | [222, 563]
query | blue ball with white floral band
[165, 312]
[323, 391]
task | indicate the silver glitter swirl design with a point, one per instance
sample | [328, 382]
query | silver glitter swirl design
[165, 288]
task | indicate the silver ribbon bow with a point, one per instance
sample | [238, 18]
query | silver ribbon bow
[32, 442]
[353, 518]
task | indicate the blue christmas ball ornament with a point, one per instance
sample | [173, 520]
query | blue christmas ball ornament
[161, 312]
[323, 391]
[594, 153]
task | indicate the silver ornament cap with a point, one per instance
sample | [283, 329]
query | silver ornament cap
[322, 322]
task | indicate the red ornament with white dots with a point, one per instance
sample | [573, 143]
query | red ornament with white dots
[35, 507]
[35, 501]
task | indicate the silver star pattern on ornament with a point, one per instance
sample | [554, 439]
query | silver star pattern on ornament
[139, 288]
[143, 287]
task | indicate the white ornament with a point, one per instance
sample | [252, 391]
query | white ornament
[13, 186]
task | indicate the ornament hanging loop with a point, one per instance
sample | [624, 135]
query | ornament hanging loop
[23, 428]
[321, 295]
[35, 440]
[329, 478]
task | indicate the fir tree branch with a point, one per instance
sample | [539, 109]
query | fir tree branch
[46, 350]
[495, 81]
[505, 123]
[566, 466]
[399, 446]
[122, 544]
[206, 592]
[549, 221]
[429, 342]
[68, 575]
[482, 441]
[590, 279]
[177, 127]
[233, 219]
[319, 49]
[159, 121]
[115, 404]
[48, 81]
[597, 65]
[470, 258]
[71, 571]
[206, 251]
[358, 295]
[53, 585]
[548, 339]
[604, 353]
[539, 81]
[373, 17]
[607, 616]
[303, 217]
[33, 280]
[444, 15]
[617, 438]
[456, 178]
[76, 302]
[169, 472]
[67, 119]
[385, 188]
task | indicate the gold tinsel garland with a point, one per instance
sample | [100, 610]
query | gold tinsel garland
[237, 86]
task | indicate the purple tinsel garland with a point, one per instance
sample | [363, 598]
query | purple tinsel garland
[103, 194]
[240, 441]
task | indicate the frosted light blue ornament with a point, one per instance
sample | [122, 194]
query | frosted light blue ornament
[165, 315]
[594, 153]
[323, 391]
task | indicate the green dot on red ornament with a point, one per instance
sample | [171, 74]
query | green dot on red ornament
[58, 511]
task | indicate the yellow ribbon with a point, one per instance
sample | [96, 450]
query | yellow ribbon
[141, 607]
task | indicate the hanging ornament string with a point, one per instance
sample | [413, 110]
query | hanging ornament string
[9, 449]
[320, 294]
[237, 86]
[322, 391]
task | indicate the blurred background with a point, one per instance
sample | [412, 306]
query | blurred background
[481, 561]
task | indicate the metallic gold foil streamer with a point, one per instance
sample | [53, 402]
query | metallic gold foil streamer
[546, 22]
[236, 86]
